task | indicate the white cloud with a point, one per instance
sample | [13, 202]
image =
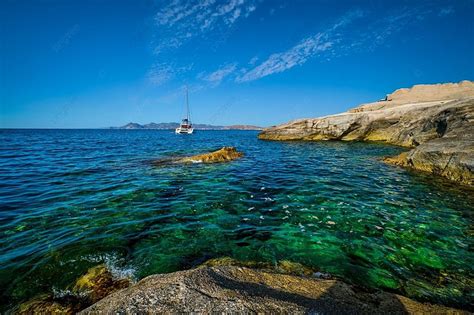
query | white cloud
[253, 60]
[301, 52]
[182, 20]
[216, 77]
[337, 40]
[160, 73]
[296, 55]
[446, 11]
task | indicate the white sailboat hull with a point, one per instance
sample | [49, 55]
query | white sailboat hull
[187, 131]
[185, 128]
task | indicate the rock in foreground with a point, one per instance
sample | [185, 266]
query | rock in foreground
[229, 289]
[436, 119]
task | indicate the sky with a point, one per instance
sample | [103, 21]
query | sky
[95, 64]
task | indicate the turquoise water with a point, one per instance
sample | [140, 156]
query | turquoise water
[71, 199]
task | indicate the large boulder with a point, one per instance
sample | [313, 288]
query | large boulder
[452, 158]
[234, 289]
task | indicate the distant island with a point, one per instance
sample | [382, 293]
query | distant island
[174, 125]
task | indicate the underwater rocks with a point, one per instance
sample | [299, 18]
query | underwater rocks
[437, 120]
[97, 283]
[93, 286]
[229, 289]
[47, 304]
[222, 155]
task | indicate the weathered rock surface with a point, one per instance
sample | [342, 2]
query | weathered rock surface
[222, 155]
[451, 157]
[230, 289]
[422, 93]
[436, 119]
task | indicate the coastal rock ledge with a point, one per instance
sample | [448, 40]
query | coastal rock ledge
[437, 121]
[235, 289]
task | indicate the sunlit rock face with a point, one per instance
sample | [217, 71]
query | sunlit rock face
[229, 289]
[437, 120]
[225, 154]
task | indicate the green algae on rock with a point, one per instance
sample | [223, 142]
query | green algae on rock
[93, 286]
[97, 283]
[224, 154]
[48, 304]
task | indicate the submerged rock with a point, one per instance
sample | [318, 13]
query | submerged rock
[222, 155]
[48, 304]
[93, 286]
[437, 120]
[229, 289]
[97, 283]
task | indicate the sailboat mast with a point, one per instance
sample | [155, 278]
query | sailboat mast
[187, 104]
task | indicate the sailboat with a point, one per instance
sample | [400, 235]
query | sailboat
[185, 127]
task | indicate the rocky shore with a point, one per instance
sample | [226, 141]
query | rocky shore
[230, 289]
[226, 286]
[435, 121]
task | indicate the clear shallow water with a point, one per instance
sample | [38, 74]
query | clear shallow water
[70, 199]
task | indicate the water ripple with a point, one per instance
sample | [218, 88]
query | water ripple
[70, 199]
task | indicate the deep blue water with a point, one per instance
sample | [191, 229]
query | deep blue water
[71, 199]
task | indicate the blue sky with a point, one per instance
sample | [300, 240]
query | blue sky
[92, 64]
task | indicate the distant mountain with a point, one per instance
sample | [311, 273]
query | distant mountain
[174, 125]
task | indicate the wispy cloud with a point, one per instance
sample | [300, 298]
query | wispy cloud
[446, 11]
[182, 20]
[355, 31]
[341, 39]
[296, 55]
[216, 77]
[301, 52]
[161, 73]
[253, 61]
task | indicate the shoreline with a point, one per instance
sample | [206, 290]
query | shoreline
[225, 284]
[435, 121]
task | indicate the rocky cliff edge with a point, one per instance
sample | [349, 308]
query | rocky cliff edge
[437, 121]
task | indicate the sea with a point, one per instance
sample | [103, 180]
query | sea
[73, 199]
